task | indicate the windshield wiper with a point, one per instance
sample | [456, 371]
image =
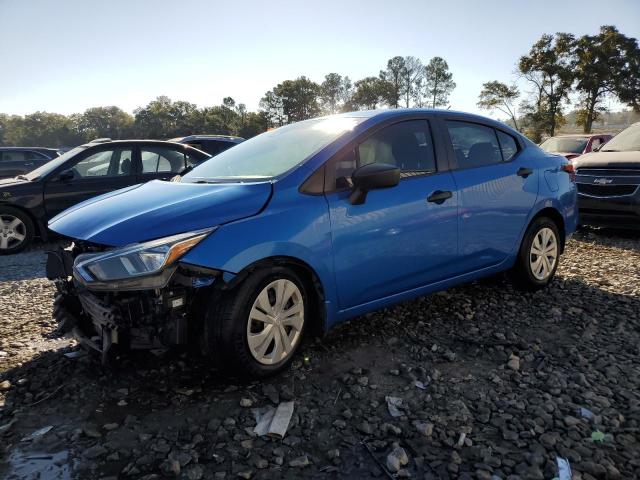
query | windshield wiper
[609, 150]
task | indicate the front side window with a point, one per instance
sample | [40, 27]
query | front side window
[273, 153]
[13, 156]
[474, 145]
[106, 163]
[407, 145]
[161, 160]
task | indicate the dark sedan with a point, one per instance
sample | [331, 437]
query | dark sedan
[20, 160]
[28, 201]
[609, 182]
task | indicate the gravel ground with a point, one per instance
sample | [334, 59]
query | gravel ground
[493, 384]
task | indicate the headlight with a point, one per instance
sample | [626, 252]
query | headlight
[139, 260]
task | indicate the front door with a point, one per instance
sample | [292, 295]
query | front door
[93, 174]
[402, 237]
[497, 187]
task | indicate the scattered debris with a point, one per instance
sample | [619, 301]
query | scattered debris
[564, 469]
[514, 362]
[76, 354]
[420, 385]
[597, 436]
[37, 433]
[273, 421]
[394, 404]
[586, 413]
[397, 459]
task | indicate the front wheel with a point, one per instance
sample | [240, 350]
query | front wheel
[539, 255]
[16, 230]
[256, 328]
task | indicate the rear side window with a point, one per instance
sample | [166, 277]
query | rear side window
[474, 145]
[161, 160]
[13, 156]
[508, 145]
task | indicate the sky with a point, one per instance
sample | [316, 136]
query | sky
[65, 56]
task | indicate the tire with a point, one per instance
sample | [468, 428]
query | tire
[246, 320]
[16, 230]
[531, 272]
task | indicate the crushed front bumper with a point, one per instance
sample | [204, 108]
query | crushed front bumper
[132, 320]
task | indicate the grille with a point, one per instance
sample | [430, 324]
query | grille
[608, 172]
[606, 190]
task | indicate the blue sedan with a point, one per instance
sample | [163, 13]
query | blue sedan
[305, 226]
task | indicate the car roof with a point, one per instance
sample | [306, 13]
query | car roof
[222, 138]
[581, 135]
[49, 149]
[133, 141]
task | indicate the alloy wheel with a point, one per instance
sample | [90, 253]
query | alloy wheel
[544, 253]
[13, 231]
[274, 326]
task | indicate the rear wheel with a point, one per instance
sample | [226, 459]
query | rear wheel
[256, 328]
[539, 255]
[16, 230]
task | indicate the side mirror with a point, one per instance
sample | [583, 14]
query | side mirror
[66, 176]
[371, 177]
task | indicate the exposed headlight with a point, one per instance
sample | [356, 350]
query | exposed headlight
[139, 260]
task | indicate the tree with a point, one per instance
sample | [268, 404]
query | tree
[500, 96]
[162, 118]
[600, 61]
[334, 92]
[549, 68]
[271, 105]
[368, 94]
[299, 99]
[111, 122]
[393, 77]
[411, 78]
[438, 82]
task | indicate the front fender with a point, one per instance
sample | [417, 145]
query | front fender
[293, 225]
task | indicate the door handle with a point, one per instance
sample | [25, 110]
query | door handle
[439, 196]
[524, 172]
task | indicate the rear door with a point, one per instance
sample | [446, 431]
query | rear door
[403, 237]
[91, 173]
[497, 186]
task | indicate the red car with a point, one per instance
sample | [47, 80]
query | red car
[572, 146]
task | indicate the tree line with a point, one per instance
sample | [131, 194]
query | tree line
[562, 69]
[558, 70]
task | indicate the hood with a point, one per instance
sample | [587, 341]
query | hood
[10, 182]
[608, 160]
[158, 209]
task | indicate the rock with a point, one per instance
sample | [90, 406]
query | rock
[269, 391]
[334, 453]
[246, 402]
[5, 385]
[194, 472]
[300, 462]
[514, 362]
[110, 426]
[423, 428]
[95, 451]
[397, 459]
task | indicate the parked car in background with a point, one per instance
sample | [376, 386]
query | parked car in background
[19, 160]
[609, 182]
[212, 144]
[307, 225]
[29, 200]
[572, 146]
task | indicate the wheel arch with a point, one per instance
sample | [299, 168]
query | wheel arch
[557, 218]
[308, 275]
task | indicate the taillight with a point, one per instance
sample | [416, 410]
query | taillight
[569, 168]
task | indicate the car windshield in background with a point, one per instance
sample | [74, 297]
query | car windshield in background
[627, 140]
[53, 164]
[273, 153]
[565, 145]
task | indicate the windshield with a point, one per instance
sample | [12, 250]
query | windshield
[564, 144]
[627, 140]
[275, 152]
[53, 164]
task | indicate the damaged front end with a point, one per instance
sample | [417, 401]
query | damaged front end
[138, 297]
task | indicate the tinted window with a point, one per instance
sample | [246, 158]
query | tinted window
[106, 163]
[13, 156]
[508, 145]
[474, 145]
[161, 159]
[564, 144]
[35, 156]
[407, 145]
